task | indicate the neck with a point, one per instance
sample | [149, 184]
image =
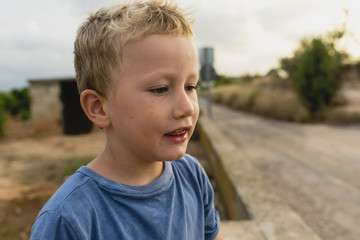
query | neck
[124, 170]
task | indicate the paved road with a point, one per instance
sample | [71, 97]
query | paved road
[315, 168]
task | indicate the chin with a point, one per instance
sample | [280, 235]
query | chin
[171, 152]
[174, 156]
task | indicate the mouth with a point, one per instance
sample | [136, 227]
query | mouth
[179, 135]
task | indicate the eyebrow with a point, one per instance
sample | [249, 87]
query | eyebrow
[167, 75]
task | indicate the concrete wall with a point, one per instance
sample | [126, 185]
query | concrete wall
[258, 213]
[46, 106]
[55, 107]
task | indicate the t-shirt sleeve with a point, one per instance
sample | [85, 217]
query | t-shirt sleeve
[51, 225]
[212, 219]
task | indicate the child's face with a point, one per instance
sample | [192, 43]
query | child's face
[154, 108]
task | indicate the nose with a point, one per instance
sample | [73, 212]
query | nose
[183, 105]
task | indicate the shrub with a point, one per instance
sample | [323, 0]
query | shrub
[17, 102]
[314, 75]
[248, 78]
[224, 80]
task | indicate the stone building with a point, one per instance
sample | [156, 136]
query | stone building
[55, 106]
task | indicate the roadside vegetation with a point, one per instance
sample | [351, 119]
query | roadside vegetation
[262, 96]
[15, 103]
[303, 88]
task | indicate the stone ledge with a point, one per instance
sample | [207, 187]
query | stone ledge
[235, 230]
[248, 197]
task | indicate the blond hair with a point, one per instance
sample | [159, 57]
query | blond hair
[99, 41]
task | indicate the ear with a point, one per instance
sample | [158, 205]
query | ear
[94, 106]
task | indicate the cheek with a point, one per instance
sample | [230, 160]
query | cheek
[156, 110]
[196, 109]
[148, 118]
[136, 109]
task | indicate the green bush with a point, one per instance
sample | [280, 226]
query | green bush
[314, 75]
[315, 67]
[224, 80]
[17, 102]
[247, 78]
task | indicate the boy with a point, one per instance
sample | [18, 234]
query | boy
[136, 68]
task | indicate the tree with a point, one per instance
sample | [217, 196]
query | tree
[313, 74]
[315, 67]
[17, 102]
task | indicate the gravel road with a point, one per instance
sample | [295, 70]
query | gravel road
[315, 168]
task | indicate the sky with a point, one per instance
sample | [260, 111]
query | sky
[37, 36]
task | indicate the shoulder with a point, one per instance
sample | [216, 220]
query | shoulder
[190, 170]
[187, 161]
[52, 225]
[188, 164]
[66, 192]
[59, 214]
[73, 200]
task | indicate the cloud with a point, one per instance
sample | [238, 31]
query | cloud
[36, 37]
[253, 36]
[220, 30]
[297, 18]
[35, 42]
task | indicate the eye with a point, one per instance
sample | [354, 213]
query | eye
[191, 88]
[159, 90]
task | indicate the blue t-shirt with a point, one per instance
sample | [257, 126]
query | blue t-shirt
[178, 205]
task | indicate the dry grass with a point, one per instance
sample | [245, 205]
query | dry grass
[343, 115]
[275, 98]
[281, 104]
[276, 102]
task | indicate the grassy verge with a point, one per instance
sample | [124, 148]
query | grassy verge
[271, 102]
[276, 101]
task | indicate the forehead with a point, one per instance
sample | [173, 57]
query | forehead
[157, 44]
[159, 53]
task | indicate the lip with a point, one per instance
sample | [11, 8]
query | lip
[178, 135]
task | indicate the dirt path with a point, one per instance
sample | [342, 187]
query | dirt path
[314, 168]
[31, 169]
[41, 161]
